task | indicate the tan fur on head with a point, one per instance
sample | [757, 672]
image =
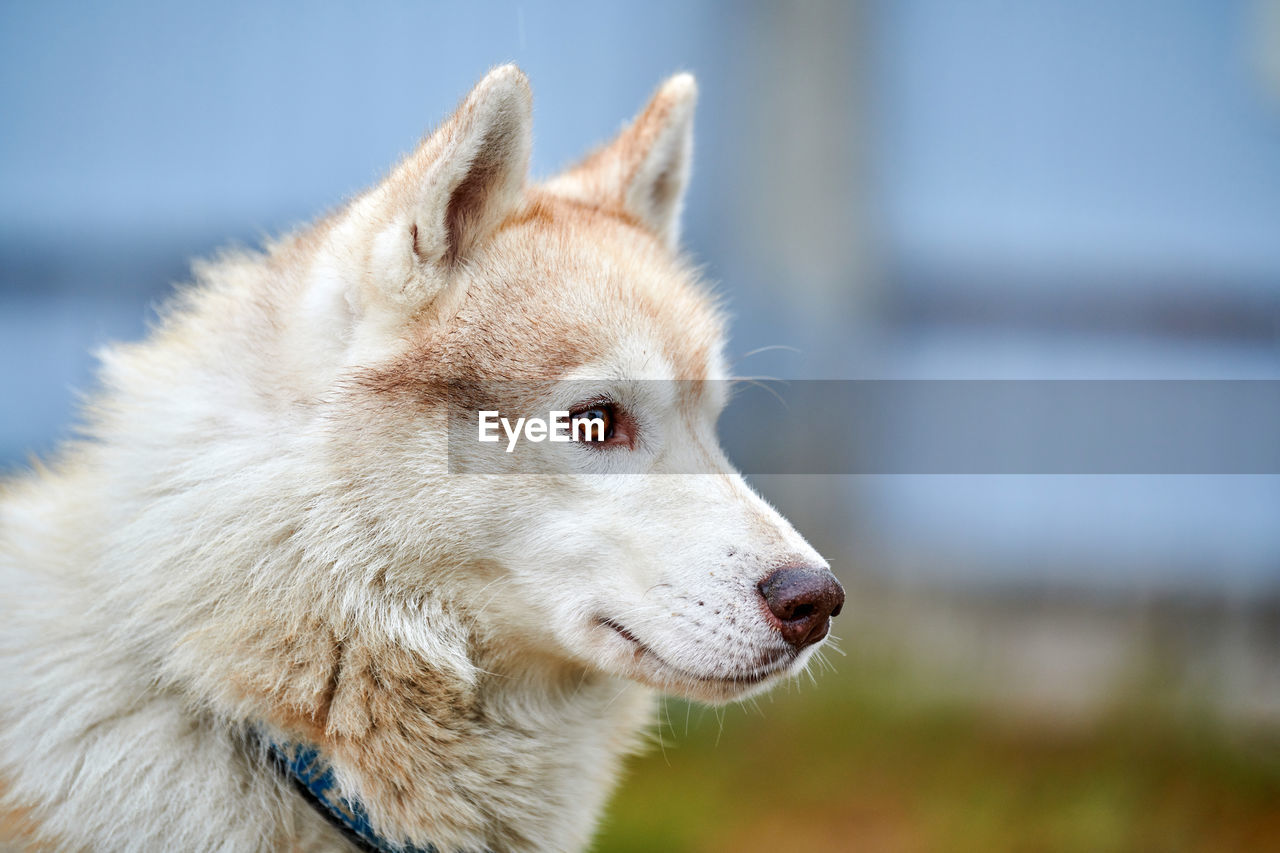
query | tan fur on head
[261, 536]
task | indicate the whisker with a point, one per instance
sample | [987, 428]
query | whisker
[756, 381]
[770, 348]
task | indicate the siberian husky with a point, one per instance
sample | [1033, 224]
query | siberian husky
[272, 601]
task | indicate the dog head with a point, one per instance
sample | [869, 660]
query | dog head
[455, 286]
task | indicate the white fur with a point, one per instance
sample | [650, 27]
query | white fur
[259, 539]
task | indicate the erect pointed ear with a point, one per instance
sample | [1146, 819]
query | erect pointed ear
[645, 169]
[446, 198]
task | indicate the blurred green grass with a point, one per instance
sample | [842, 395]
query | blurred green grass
[874, 757]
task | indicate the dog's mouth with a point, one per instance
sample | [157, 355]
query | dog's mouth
[674, 674]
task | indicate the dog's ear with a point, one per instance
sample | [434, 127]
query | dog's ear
[439, 205]
[645, 169]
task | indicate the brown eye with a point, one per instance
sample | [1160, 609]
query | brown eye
[595, 424]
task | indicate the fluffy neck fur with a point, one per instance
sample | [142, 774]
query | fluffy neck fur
[202, 568]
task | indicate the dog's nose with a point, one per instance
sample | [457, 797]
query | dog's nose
[803, 600]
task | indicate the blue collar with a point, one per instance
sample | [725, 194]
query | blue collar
[313, 778]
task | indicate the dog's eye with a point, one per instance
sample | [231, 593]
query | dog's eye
[596, 423]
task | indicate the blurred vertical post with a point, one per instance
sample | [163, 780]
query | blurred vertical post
[805, 153]
[802, 85]
[1265, 49]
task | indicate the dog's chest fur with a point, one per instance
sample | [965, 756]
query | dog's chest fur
[498, 764]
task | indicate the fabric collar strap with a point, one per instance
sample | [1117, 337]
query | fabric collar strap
[313, 778]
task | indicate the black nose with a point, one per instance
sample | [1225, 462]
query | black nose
[803, 600]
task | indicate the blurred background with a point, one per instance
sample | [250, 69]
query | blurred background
[915, 189]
